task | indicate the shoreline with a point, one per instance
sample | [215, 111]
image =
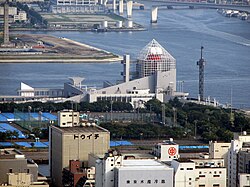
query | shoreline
[67, 51]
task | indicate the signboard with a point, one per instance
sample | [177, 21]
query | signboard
[84, 136]
[172, 151]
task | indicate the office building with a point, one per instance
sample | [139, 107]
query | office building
[199, 172]
[71, 141]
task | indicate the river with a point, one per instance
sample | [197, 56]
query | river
[226, 44]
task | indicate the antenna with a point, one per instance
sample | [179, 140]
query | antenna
[201, 64]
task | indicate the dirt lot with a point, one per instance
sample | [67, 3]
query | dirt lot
[45, 48]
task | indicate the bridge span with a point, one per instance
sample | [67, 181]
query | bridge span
[244, 8]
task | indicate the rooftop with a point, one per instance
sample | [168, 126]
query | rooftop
[10, 153]
[81, 129]
[142, 164]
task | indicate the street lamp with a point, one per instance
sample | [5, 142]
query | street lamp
[195, 128]
[111, 110]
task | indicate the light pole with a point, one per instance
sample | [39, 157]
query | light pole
[111, 110]
[195, 128]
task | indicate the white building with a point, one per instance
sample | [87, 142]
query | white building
[244, 180]
[219, 150]
[68, 118]
[236, 146]
[199, 173]
[166, 151]
[21, 16]
[117, 171]
[156, 78]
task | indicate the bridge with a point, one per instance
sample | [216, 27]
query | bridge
[244, 8]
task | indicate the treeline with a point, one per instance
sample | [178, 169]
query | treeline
[184, 120]
[192, 120]
[143, 131]
[101, 106]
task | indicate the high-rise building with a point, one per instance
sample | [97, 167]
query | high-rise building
[72, 140]
[233, 162]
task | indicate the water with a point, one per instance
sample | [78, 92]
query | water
[226, 44]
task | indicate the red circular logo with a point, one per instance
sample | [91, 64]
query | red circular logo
[172, 151]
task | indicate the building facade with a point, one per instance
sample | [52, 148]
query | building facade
[219, 150]
[166, 151]
[74, 143]
[200, 173]
[16, 170]
[116, 170]
[233, 154]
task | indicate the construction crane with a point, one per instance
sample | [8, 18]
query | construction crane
[201, 64]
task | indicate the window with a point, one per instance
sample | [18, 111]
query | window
[189, 168]
[162, 181]
[216, 175]
[216, 185]
[182, 168]
[190, 179]
[10, 170]
[149, 182]
[128, 181]
[142, 181]
[156, 181]
[135, 181]
[202, 176]
[202, 185]
[190, 183]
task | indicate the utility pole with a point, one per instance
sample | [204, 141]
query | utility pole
[175, 116]
[201, 64]
[111, 111]
[163, 114]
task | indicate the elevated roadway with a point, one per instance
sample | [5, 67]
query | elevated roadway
[160, 3]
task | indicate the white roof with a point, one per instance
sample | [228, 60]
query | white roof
[138, 164]
[25, 87]
[154, 48]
